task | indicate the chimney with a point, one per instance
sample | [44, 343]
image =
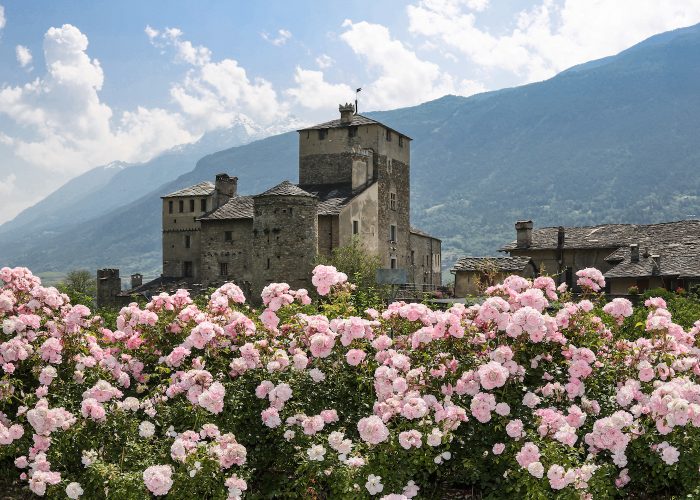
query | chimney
[561, 237]
[523, 230]
[346, 113]
[225, 188]
[656, 268]
[136, 280]
[634, 252]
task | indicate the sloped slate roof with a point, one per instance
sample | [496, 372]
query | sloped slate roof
[614, 235]
[676, 259]
[202, 189]
[506, 264]
[332, 197]
[356, 121]
[238, 207]
[285, 188]
[417, 231]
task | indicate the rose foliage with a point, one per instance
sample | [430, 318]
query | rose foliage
[529, 395]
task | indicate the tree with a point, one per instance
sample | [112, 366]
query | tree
[359, 264]
[79, 284]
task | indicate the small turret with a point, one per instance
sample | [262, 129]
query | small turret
[346, 113]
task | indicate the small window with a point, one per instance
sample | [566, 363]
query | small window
[352, 132]
[400, 141]
[170, 206]
[392, 233]
[223, 268]
[393, 262]
[356, 227]
[203, 205]
[228, 236]
[392, 201]
[413, 257]
[191, 205]
[322, 133]
[181, 206]
[188, 268]
[188, 241]
[268, 262]
[388, 135]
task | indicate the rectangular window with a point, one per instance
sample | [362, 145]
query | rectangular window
[322, 134]
[393, 262]
[223, 268]
[188, 241]
[170, 207]
[268, 262]
[392, 201]
[181, 206]
[228, 236]
[413, 257]
[188, 269]
[400, 141]
[191, 205]
[203, 205]
[388, 135]
[352, 131]
[356, 227]
[392, 233]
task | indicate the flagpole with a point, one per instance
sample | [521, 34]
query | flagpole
[357, 92]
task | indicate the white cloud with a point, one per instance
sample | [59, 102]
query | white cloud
[402, 78]
[313, 92]
[2, 17]
[324, 61]
[549, 37]
[24, 55]
[65, 127]
[7, 185]
[214, 94]
[282, 37]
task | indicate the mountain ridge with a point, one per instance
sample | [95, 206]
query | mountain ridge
[607, 141]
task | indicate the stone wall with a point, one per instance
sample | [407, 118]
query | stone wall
[285, 240]
[363, 208]
[425, 260]
[547, 260]
[393, 178]
[109, 285]
[176, 226]
[236, 253]
[328, 234]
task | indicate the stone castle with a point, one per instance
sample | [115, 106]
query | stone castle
[354, 181]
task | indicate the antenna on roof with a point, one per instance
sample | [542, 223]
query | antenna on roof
[357, 92]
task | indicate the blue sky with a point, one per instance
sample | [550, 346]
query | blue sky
[86, 83]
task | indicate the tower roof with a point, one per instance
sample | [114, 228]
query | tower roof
[286, 188]
[356, 120]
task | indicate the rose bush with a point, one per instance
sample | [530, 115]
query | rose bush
[529, 394]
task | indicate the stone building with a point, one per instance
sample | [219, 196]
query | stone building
[644, 256]
[474, 274]
[354, 181]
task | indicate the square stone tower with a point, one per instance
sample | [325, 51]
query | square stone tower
[358, 151]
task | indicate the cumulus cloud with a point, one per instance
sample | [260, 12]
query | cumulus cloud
[282, 36]
[214, 94]
[67, 127]
[551, 36]
[324, 61]
[2, 17]
[403, 78]
[313, 92]
[24, 55]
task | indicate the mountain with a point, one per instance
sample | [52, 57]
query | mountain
[612, 140]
